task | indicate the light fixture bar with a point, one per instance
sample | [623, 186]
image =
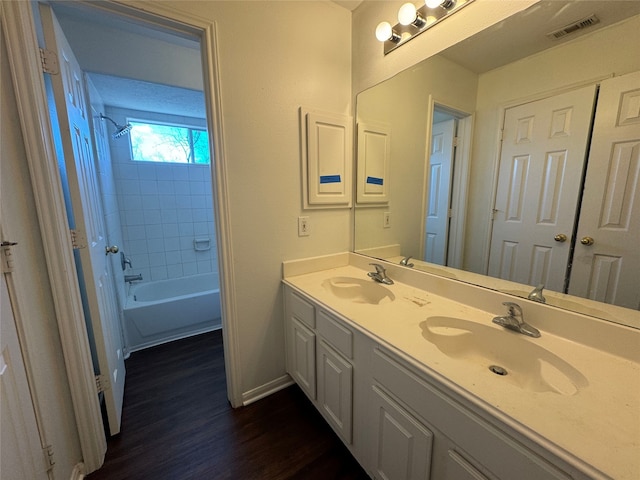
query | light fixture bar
[426, 17]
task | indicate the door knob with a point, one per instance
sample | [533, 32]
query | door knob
[561, 237]
[586, 241]
[111, 249]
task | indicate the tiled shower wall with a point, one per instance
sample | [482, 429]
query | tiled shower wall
[163, 208]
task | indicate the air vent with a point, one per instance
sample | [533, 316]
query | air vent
[574, 27]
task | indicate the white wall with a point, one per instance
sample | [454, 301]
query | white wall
[20, 224]
[611, 51]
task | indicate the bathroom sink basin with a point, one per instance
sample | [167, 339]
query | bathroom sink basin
[358, 290]
[508, 356]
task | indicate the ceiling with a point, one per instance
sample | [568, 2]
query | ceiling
[482, 52]
[528, 31]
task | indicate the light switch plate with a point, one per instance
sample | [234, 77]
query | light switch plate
[386, 220]
[304, 227]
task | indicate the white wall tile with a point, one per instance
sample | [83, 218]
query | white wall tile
[189, 268]
[158, 273]
[152, 217]
[155, 245]
[170, 230]
[157, 260]
[185, 215]
[185, 229]
[148, 187]
[154, 231]
[171, 243]
[134, 217]
[182, 188]
[175, 271]
[169, 215]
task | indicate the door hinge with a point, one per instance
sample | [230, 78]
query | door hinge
[455, 141]
[78, 239]
[7, 256]
[48, 457]
[450, 213]
[102, 383]
[49, 61]
[501, 135]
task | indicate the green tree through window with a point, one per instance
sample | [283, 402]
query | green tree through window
[155, 142]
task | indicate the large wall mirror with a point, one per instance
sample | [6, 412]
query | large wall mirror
[514, 159]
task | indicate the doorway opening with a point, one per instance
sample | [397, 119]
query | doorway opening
[153, 216]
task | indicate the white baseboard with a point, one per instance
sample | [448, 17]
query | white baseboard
[78, 472]
[265, 390]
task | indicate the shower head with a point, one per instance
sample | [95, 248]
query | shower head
[120, 129]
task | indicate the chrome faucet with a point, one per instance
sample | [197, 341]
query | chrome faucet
[405, 262]
[515, 321]
[133, 278]
[536, 294]
[380, 275]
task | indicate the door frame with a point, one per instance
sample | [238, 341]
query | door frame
[22, 46]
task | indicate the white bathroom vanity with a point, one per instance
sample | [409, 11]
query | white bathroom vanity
[420, 384]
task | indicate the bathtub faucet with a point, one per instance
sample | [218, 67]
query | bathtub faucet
[133, 278]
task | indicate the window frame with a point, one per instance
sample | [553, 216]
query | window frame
[189, 126]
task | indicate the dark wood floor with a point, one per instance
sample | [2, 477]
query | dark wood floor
[178, 424]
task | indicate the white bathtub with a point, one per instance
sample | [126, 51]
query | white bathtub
[165, 310]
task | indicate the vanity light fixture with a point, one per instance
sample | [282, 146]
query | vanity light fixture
[412, 21]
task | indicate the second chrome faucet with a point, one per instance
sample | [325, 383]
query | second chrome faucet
[380, 275]
[514, 320]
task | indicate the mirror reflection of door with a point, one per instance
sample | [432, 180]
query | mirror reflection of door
[445, 203]
[544, 149]
[606, 261]
[440, 168]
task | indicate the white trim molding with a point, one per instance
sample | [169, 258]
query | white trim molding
[267, 389]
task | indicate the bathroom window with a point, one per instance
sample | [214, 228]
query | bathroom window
[166, 143]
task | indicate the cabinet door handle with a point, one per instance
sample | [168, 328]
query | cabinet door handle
[587, 241]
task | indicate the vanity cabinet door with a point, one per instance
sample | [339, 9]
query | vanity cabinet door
[335, 389]
[303, 357]
[402, 446]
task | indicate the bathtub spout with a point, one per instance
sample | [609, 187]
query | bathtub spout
[133, 278]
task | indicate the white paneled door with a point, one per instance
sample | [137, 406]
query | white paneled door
[440, 175]
[21, 456]
[73, 118]
[606, 261]
[539, 180]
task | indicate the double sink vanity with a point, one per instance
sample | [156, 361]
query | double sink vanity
[420, 382]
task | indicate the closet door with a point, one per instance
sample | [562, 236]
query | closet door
[607, 252]
[539, 179]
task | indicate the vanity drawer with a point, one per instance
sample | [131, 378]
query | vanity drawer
[499, 453]
[333, 330]
[300, 308]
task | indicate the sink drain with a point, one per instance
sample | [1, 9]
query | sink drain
[497, 370]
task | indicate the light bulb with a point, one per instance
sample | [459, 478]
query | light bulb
[384, 31]
[407, 14]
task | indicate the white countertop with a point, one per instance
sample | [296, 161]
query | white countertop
[599, 425]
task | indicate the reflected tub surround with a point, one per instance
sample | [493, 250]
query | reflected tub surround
[550, 389]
